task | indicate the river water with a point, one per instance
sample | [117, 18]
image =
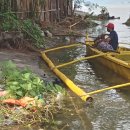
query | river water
[111, 109]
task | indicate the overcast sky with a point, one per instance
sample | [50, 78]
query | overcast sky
[118, 5]
[111, 2]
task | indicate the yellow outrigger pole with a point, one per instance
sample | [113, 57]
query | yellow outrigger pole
[108, 88]
[62, 47]
[66, 80]
[80, 59]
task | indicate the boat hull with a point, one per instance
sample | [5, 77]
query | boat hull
[113, 61]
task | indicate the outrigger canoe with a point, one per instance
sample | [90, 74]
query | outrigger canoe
[118, 61]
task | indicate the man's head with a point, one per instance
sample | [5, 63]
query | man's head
[110, 27]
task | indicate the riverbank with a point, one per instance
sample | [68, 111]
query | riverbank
[30, 58]
[22, 59]
[62, 118]
[28, 93]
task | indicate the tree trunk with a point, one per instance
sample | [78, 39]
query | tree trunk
[58, 10]
[47, 12]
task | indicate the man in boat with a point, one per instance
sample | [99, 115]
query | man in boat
[108, 42]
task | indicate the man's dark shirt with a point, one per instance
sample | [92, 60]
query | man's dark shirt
[114, 39]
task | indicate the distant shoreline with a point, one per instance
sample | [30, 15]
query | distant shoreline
[78, 12]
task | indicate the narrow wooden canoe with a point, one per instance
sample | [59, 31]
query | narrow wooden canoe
[117, 62]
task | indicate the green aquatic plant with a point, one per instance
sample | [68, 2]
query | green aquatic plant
[20, 83]
[5, 5]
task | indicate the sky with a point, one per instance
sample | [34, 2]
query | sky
[119, 5]
[111, 2]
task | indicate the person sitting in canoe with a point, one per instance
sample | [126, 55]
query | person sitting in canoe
[108, 42]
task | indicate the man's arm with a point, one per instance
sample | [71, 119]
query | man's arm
[108, 39]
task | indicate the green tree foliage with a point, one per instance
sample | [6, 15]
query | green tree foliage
[5, 5]
[9, 21]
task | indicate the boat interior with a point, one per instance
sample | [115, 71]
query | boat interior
[123, 54]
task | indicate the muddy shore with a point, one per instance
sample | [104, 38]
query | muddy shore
[22, 59]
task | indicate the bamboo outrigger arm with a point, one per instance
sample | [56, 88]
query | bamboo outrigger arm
[81, 59]
[109, 88]
[66, 80]
[62, 47]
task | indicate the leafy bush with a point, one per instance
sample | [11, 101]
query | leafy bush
[30, 29]
[33, 30]
[5, 5]
[9, 22]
